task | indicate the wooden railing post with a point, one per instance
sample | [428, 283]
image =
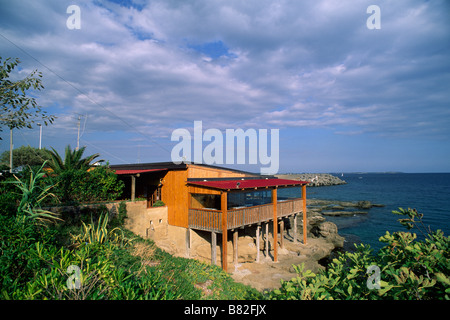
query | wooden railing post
[223, 203]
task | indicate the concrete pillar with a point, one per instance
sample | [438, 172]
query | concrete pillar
[213, 248]
[258, 231]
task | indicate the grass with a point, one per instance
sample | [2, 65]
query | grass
[188, 279]
[193, 279]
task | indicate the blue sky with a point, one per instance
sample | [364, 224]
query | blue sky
[344, 97]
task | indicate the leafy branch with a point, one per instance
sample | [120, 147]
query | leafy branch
[414, 219]
[17, 109]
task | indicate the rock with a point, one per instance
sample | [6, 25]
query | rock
[327, 228]
[342, 213]
[329, 232]
[364, 204]
[339, 207]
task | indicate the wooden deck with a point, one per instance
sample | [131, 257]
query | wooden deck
[211, 220]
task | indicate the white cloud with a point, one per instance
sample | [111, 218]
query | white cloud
[293, 64]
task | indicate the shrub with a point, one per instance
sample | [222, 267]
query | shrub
[159, 203]
[408, 270]
[82, 186]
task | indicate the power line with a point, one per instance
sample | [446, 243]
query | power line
[85, 95]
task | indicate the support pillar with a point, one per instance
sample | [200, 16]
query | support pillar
[223, 203]
[235, 247]
[258, 231]
[275, 225]
[213, 248]
[281, 232]
[188, 242]
[304, 212]
[295, 228]
[267, 239]
[133, 188]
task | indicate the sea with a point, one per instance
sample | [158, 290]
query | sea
[429, 193]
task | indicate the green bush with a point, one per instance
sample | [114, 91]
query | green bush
[82, 186]
[159, 203]
[9, 195]
[408, 270]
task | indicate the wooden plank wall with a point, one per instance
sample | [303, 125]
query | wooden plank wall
[195, 171]
[175, 192]
[175, 196]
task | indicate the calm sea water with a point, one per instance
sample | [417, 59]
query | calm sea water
[429, 193]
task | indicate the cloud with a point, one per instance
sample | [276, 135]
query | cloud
[146, 68]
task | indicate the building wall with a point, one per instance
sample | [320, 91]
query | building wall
[175, 192]
[195, 171]
[149, 223]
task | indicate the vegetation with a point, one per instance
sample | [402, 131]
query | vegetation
[77, 259]
[77, 180]
[159, 203]
[91, 255]
[18, 109]
[404, 269]
[73, 160]
[33, 196]
[26, 156]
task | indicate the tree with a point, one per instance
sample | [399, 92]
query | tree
[17, 109]
[72, 161]
[26, 155]
[76, 183]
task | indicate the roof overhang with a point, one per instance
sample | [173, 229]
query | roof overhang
[136, 171]
[245, 184]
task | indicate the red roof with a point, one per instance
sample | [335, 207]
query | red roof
[248, 184]
[137, 171]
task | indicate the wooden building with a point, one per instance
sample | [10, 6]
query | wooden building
[216, 200]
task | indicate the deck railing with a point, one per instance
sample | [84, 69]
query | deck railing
[211, 220]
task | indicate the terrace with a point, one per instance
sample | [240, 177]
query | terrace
[220, 205]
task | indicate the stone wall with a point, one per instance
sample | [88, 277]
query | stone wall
[149, 223]
[146, 222]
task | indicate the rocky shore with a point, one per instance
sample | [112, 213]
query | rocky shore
[340, 208]
[322, 240]
[315, 179]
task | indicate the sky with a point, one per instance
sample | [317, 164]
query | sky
[344, 96]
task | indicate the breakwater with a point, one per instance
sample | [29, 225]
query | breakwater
[315, 179]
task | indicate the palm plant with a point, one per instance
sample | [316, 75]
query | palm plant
[70, 169]
[72, 161]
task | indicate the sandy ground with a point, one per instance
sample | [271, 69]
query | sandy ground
[268, 274]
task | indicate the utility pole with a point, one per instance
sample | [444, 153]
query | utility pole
[40, 135]
[10, 151]
[78, 136]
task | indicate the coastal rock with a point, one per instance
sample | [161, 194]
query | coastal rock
[342, 213]
[327, 207]
[327, 230]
